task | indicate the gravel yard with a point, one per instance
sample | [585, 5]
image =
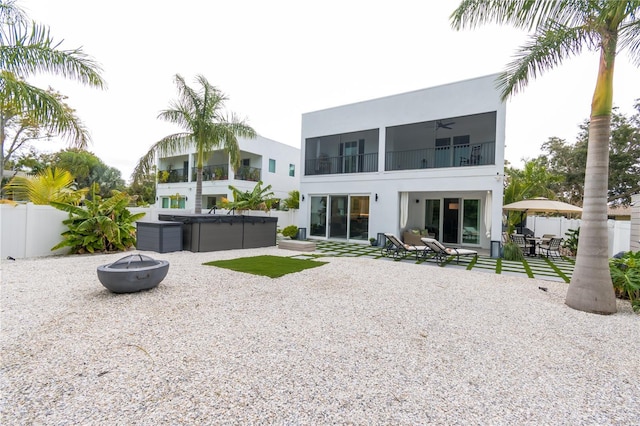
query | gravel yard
[356, 341]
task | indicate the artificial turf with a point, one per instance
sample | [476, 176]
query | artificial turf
[268, 266]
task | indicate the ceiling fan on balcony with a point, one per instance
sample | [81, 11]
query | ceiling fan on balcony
[442, 125]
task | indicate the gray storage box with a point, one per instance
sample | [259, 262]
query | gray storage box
[159, 236]
[259, 231]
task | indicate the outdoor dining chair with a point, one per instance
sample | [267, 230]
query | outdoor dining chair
[524, 245]
[552, 248]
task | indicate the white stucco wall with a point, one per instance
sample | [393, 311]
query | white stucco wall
[468, 97]
[262, 149]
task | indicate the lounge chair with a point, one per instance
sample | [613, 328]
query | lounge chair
[552, 248]
[442, 253]
[399, 250]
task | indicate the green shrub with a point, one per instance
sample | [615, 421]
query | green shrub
[571, 242]
[625, 274]
[290, 231]
[102, 225]
[511, 251]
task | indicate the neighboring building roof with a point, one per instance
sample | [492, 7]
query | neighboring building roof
[619, 212]
[8, 174]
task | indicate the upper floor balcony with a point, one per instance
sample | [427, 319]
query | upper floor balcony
[460, 141]
[172, 176]
[213, 172]
[461, 155]
[221, 172]
[360, 163]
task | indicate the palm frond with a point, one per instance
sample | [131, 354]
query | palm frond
[44, 107]
[47, 186]
[524, 14]
[629, 37]
[30, 50]
[546, 49]
[168, 145]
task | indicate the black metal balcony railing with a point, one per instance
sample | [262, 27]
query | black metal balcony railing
[172, 176]
[480, 154]
[361, 163]
[214, 172]
[252, 174]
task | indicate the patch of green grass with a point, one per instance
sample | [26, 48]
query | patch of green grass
[557, 270]
[268, 266]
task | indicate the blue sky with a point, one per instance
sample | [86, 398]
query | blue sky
[279, 59]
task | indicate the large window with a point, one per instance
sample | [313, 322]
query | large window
[318, 217]
[432, 217]
[471, 222]
[359, 218]
[347, 218]
[174, 202]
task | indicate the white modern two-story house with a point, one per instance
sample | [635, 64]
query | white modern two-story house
[429, 160]
[262, 159]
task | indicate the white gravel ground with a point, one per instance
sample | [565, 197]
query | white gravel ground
[356, 341]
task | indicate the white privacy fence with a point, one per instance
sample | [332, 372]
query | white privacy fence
[29, 230]
[619, 230]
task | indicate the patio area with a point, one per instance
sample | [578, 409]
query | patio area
[532, 267]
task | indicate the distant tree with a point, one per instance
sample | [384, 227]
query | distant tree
[85, 166]
[27, 49]
[23, 128]
[570, 160]
[534, 180]
[257, 199]
[88, 170]
[207, 127]
[144, 188]
[293, 201]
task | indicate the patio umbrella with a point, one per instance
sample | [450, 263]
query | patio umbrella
[542, 205]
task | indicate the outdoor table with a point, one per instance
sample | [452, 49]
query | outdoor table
[535, 242]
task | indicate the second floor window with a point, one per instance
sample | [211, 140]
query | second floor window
[292, 169]
[272, 165]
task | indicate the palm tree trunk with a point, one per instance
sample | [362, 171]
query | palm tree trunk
[591, 289]
[198, 208]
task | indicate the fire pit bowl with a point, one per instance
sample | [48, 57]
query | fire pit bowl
[133, 273]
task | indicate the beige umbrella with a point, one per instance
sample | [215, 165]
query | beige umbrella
[542, 205]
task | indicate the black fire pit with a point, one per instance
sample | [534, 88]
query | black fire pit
[133, 273]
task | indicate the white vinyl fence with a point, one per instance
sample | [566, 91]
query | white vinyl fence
[29, 230]
[619, 230]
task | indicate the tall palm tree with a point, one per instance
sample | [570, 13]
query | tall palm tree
[26, 49]
[564, 28]
[207, 127]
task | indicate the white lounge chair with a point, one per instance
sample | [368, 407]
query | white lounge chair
[442, 253]
[399, 250]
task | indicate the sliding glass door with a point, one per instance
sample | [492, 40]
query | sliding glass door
[347, 218]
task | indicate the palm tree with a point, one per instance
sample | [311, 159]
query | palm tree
[206, 126]
[27, 49]
[564, 29]
[47, 186]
